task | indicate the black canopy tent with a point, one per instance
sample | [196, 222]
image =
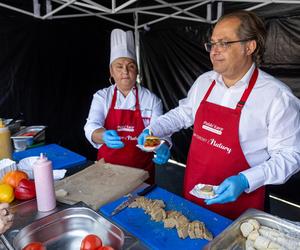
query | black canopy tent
[54, 55]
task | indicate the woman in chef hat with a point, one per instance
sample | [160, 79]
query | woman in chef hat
[6, 218]
[119, 113]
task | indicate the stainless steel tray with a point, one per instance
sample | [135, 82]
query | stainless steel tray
[66, 229]
[35, 132]
[231, 237]
[27, 136]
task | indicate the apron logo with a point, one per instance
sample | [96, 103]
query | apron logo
[212, 128]
[126, 128]
[213, 143]
[219, 145]
[128, 138]
[200, 137]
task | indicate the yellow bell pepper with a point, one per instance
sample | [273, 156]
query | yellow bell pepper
[6, 193]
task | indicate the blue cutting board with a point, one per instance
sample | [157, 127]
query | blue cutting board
[153, 234]
[61, 157]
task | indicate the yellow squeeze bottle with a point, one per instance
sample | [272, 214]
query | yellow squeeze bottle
[5, 142]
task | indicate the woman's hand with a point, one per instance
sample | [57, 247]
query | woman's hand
[112, 139]
[6, 218]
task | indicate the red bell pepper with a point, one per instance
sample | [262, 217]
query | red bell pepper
[25, 190]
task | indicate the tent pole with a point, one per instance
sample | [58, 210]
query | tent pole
[124, 5]
[220, 10]
[137, 44]
[93, 3]
[58, 9]
[177, 8]
[176, 14]
[113, 6]
[208, 12]
[36, 8]
[18, 10]
[200, 19]
[96, 14]
[90, 6]
[48, 6]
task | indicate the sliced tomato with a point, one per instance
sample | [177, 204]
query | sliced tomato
[29, 134]
[91, 242]
[34, 246]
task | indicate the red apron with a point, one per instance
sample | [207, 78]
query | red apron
[128, 124]
[215, 153]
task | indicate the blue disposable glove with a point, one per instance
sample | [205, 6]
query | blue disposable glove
[142, 136]
[162, 154]
[112, 140]
[230, 189]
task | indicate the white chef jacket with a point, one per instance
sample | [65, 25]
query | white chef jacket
[150, 106]
[269, 129]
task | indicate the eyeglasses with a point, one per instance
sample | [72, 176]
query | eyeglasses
[222, 45]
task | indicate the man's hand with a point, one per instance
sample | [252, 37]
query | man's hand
[162, 154]
[112, 140]
[230, 189]
[142, 136]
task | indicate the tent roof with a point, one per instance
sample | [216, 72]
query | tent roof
[137, 14]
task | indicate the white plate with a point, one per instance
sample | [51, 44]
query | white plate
[149, 149]
[27, 163]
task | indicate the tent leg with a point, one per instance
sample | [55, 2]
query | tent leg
[48, 6]
[137, 44]
[36, 8]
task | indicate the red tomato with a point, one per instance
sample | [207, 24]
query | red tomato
[25, 190]
[105, 248]
[90, 242]
[34, 246]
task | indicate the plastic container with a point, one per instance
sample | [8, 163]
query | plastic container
[44, 184]
[28, 136]
[5, 142]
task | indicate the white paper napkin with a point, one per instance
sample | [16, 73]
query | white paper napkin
[196, 191]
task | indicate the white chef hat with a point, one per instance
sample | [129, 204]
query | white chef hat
[121, 45]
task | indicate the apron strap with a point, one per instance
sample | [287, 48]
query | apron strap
[245, 95]
[137, 102]
[209, 90]
[114, 99]
[247, 92]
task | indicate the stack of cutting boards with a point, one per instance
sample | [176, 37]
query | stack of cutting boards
[100, 183]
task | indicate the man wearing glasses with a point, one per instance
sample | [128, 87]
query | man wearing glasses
[246, 123]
